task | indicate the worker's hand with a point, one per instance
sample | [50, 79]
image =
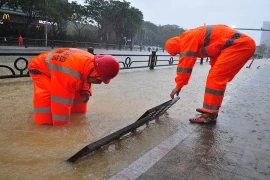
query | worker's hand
[175, 91]
[85, 94]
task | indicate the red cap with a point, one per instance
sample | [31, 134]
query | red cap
[107, 67]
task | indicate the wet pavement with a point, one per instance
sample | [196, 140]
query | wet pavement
[237, 147]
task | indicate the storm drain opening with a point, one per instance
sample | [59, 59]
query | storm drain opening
[149, 115]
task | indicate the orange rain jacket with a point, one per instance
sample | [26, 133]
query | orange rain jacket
[228, 49]
[59, 75]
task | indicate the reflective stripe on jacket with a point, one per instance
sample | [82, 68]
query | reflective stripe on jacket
[70, 66]
[205, 41]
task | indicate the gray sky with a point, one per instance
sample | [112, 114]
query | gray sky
[193, 13]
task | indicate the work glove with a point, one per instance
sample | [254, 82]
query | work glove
[86, 95]
[175, 91]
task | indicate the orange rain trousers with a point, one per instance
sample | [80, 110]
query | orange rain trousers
[42, 99]
[225, 67]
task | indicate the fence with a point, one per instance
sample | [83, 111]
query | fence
[29, 42]
[16, 68]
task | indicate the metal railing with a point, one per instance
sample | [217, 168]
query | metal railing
[30, 42]
[18, 67]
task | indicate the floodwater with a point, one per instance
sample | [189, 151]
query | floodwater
[31, 151]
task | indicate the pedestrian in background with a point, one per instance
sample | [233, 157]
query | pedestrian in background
[62, 82]
[20, 40]
[228, 49]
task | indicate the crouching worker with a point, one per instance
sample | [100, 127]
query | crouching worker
[62, 82]
[228, 50]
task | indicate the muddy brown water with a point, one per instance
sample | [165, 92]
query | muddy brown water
[30, 151]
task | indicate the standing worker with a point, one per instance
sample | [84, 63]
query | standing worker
[62, 82]
[229, 51]
[20, 40]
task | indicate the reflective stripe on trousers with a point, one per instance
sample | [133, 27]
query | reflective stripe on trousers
[215, 97]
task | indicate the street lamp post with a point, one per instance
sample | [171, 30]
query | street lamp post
[125, 39]
[46, 27]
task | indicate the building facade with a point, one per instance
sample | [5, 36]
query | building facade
[265, 38]
[265, 35]
[17, 16]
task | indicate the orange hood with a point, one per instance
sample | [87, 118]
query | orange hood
[172, 46]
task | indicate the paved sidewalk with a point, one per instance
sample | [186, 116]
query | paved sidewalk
[237, 147]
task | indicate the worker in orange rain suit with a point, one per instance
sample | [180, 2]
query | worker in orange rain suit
[62, 82]
[228, 50]
[20, 40]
